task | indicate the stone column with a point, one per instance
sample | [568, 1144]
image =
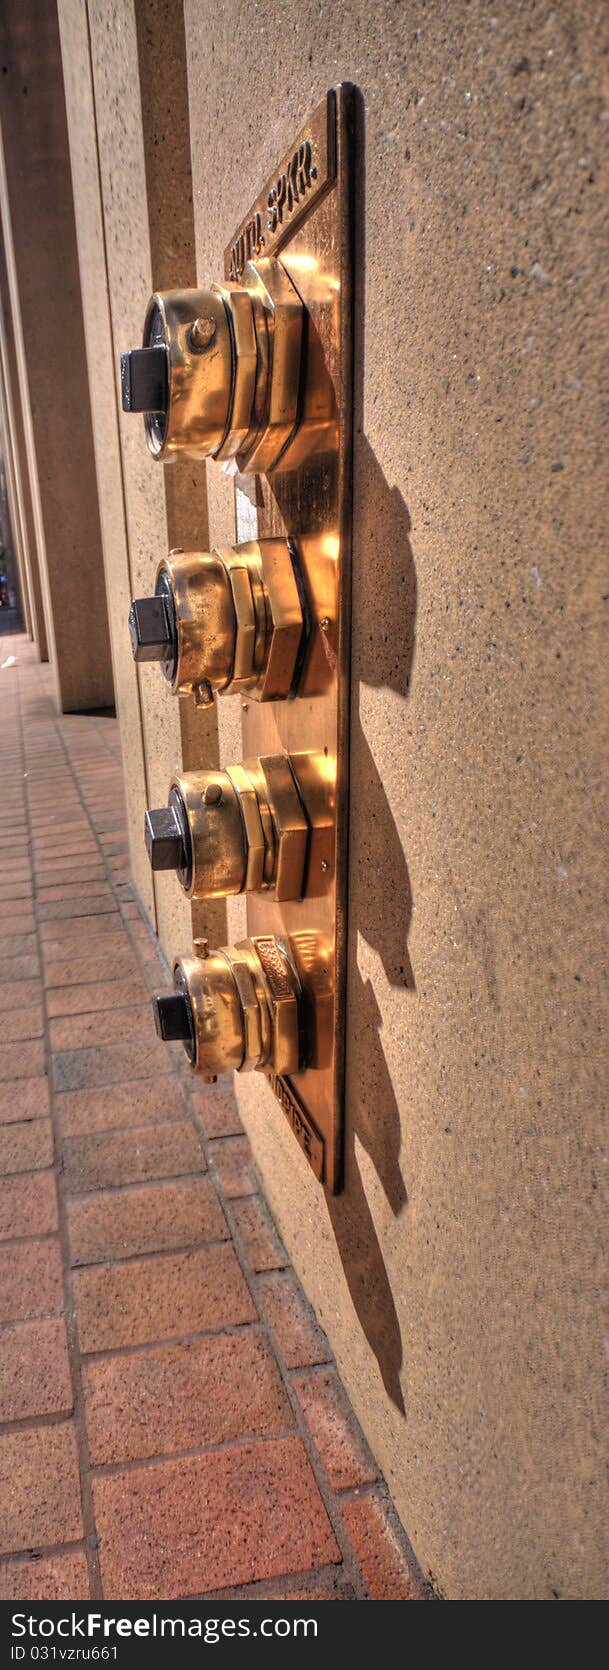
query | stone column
[127, 106]
[44, 292]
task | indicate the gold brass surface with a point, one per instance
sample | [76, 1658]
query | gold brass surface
[304, 217]
[245, 628]
[245, 357]
[282, 317]
[234, 365]
[263, 824]
[239, 619]
[205, 618]
[219, 1042]
[217, 835]
[251, 650]
[253, 825]
[199, 378]
[285, 613]
[291, 191]
[270, 618]
[245, 1003]
[275, 783]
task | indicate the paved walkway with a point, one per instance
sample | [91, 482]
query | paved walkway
[171, 1422]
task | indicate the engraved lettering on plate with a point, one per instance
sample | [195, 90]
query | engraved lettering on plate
[291, 185]
[309, 1139]
[303, 174]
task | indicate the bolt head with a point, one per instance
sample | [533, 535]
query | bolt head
[172, 1016]
[149, 629]
[212, 795]
[144, 380]
[163, 837]
[202, 332]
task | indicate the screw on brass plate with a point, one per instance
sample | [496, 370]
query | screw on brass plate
[324, 864]
[203, 693]
[202, 332]
[325, 624]
[212, 795]
[201, 946]
[244, 707]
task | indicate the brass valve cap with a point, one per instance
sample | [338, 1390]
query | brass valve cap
[204, 619]
[218, 1042]
[194, 328]
[240, 830]
[220, 370]
[235, 1008]
[232, 619]
[218, 853]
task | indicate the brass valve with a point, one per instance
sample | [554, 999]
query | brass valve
[237, 1007]
[231, 619]
[244, 829]
[219, 372]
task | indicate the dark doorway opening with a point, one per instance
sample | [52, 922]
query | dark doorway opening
[11, 613]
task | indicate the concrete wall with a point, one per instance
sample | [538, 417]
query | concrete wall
[128, 123]
[460, 1276]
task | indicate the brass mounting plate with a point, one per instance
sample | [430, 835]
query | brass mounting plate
[305, 215]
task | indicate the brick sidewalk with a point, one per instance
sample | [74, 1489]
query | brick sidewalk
[171, 1422]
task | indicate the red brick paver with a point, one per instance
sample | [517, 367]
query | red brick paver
[388, 1571]
[171, 1422]
[183, 1527]
[31, 1280]
[26, 1200]
[181, 1397]
[34, 1370]
[334, 1428]
[39, 1487]
[59, 1577]
[162, 1217]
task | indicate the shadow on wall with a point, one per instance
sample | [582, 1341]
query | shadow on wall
[380, 898]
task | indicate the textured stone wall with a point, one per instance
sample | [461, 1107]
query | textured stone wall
[125, 78]
[41, 276]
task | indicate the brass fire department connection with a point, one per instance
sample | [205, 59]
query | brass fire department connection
[236, 1008]
[243, 829]
[219, 372]
[231, 619]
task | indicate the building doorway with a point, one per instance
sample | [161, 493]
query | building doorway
[11, 614]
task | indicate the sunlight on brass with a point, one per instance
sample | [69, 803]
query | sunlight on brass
[244, 1004]
[265, 824]
[239, 620]
[268, 620]
[219, 373]
[303, 218]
